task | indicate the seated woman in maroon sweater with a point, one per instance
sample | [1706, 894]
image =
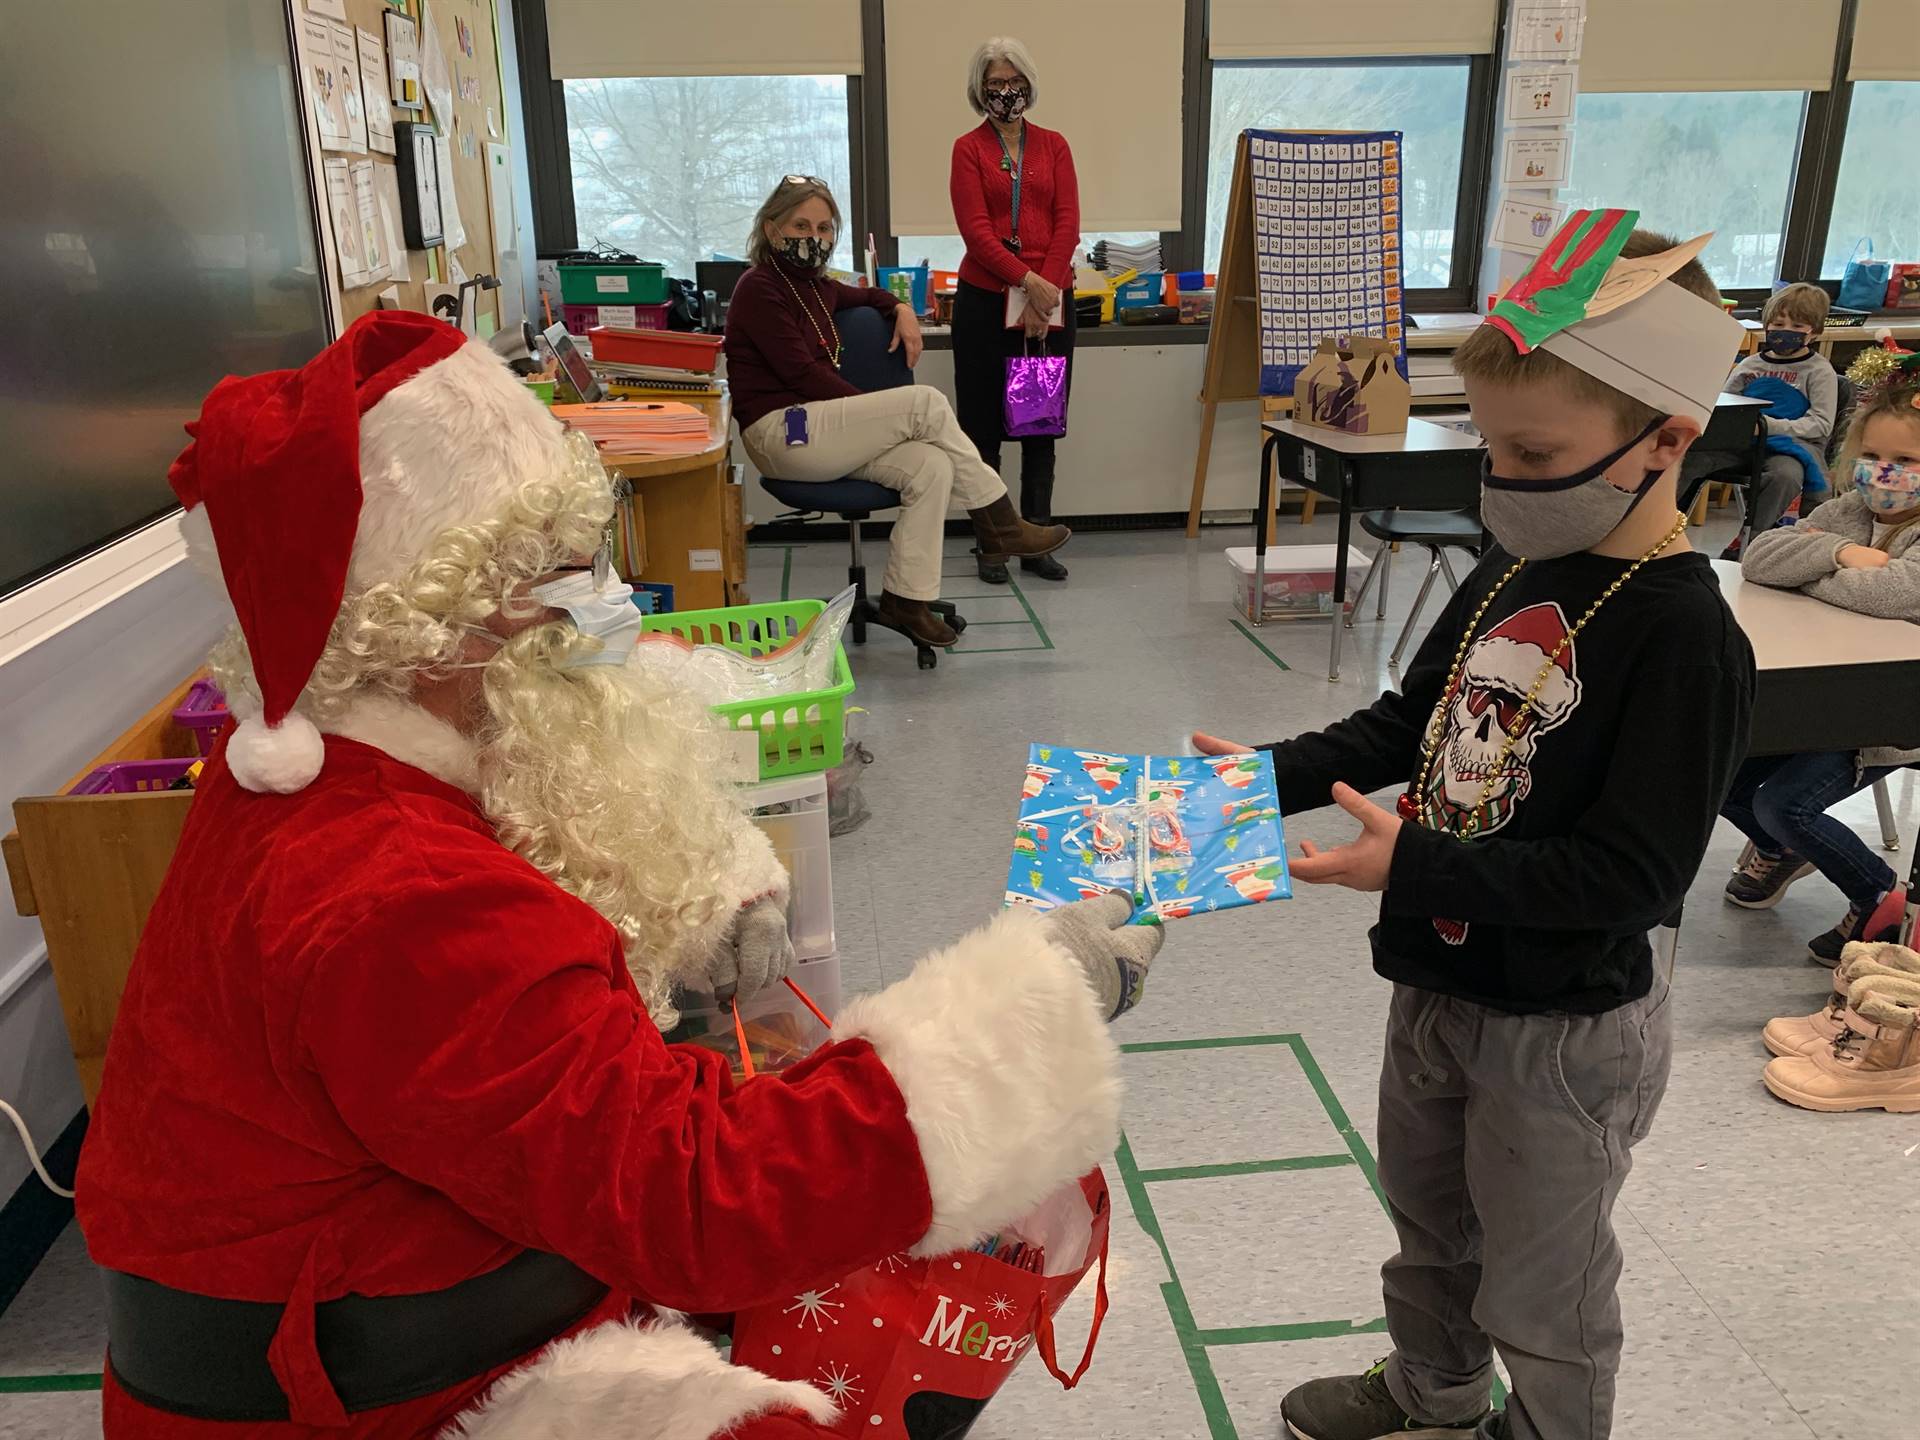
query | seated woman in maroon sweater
[1017, 201]
[800, 419]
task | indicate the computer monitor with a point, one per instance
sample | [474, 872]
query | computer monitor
[719, 276]
[572, 363]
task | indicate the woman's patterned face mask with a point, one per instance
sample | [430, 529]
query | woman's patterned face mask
[1008, 103]
[1887, 485]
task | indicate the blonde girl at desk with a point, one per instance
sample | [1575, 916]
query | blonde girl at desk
[1860, 551]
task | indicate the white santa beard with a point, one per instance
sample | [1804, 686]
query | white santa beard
[604, 784]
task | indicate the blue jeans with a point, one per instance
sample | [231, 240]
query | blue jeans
[1781, 802]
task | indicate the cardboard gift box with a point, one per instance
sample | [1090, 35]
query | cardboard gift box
[1357, 388]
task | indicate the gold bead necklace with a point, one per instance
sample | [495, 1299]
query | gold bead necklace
[833, 350]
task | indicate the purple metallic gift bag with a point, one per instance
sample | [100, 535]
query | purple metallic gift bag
[1036, 395]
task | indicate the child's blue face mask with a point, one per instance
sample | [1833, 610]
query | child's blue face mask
[1786, 342]
[1887, 485]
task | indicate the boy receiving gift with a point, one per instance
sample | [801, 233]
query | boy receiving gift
[1565, 738]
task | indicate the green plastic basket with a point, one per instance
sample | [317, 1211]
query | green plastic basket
[800, 734]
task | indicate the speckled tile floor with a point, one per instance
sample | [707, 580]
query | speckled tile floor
[1247, 1235]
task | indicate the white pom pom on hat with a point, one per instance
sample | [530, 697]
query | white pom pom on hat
[276, 759]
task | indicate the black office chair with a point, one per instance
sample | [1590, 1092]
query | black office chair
[866, 363]
[1437, 530]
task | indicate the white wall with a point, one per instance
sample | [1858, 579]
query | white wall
[62, 702]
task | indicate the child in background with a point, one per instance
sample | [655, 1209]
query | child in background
[1805, 395]
[1564, 740]
[1858, 551]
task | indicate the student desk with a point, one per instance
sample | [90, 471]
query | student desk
[1735, 424]
[1429, 467]
[1828, 679]
[685, 526]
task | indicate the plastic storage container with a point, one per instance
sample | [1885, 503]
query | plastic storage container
[915, 282]
[133, 777]
[1147, 288]
[671, 349]
[1196, 307]
[794, 734]
[1299, 579]
[793, 816]
[781, 1031]
[613, 284]
[204, 714]
[582, 318]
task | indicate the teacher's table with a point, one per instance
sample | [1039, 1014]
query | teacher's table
[684, 526]
[1426, 467]
[1828, 680]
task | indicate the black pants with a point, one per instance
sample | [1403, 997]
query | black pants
[981, 344]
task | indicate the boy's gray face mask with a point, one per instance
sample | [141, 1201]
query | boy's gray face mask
[1544, 519]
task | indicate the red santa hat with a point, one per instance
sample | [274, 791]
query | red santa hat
[301, 483]
[1518, 646]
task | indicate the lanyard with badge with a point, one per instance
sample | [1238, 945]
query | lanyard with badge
[1016, 168]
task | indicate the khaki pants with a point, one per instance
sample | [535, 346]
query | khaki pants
[905, 439]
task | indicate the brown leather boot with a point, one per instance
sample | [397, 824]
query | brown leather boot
[913, 619]
[1002, 532]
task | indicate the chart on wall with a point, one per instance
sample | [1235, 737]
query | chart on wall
[1326, 210]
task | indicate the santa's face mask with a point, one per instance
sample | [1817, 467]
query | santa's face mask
[1544, 519]
[601, 608]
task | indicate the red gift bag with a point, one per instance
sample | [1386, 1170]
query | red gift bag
[913, 1349]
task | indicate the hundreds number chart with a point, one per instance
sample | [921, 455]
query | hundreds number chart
[1327, 244]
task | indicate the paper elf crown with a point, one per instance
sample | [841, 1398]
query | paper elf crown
[1615, 320]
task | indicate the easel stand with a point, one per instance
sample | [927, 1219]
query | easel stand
[1233, 341]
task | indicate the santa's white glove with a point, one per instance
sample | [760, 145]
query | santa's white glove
[1114, 954]
[757, 954]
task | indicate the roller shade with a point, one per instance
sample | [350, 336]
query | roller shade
[1112, 89]
[1313, 29]
[1660, 45]
[1886, 41]
[606, 39]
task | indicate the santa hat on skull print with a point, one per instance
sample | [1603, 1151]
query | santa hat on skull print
[1516, 650]
[302, 485]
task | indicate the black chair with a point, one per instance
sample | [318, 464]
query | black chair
[867, 364]
[1438, 531]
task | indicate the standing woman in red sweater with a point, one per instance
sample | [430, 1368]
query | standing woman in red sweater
[1018, 203]
[801, 419]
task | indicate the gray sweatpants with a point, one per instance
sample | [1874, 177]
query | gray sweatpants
[1781, 478]
[1504, 1141]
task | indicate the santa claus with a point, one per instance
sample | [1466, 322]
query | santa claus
[389, 1143]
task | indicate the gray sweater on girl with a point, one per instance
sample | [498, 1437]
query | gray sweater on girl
[1805, 558]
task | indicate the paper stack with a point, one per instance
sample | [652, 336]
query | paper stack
[640, 427]
[1116, 255]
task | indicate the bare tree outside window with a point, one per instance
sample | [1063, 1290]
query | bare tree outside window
[1719, 160]
[1426, 100]
[672, 168]
[1876, 195]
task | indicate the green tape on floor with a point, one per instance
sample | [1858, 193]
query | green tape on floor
[1280, 1334]
[1261, 646]
[1153, 1047]
[1356, 1143]
[43, 1384]
[1246, 1167]
[1046, 640]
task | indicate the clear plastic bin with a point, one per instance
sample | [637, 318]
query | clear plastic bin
[1299, 578]
[793, 814]
[780, 1030]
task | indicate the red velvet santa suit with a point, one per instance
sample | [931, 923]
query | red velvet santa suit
[367, 1050]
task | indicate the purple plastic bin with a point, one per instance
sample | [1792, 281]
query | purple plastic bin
[133, 777]
[204, 712]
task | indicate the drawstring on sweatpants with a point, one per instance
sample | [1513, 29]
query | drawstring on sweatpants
[1431, 1070]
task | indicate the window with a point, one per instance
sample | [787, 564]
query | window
[945, 251]
[1719, 160]
[1426, 99]
[1876, 194]
[672, 168]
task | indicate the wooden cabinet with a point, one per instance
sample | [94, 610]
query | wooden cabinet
[689, 513]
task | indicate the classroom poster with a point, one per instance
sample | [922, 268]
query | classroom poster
[1327, 250]
[453, 229]
[346, 65]
[435, 76]
[1539, 158]
[323, 83]
[1526, 224]
[373, 234]
[386, 194]
[345, 213]
[1545, 30]
[332, 9]
[374, 88]
[403, 60]
[1540, 95]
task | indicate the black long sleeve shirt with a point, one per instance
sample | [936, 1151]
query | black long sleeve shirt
[1599, 817]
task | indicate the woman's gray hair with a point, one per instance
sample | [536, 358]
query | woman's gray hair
[788, 196]
[1000, 47]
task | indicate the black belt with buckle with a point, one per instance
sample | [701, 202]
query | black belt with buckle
[206, 1358]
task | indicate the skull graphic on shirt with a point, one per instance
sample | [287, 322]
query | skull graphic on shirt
[1482, 711]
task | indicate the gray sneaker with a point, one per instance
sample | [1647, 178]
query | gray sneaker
[1360, 1407]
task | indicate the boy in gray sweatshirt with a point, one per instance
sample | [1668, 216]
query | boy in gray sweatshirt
[1797, 443]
